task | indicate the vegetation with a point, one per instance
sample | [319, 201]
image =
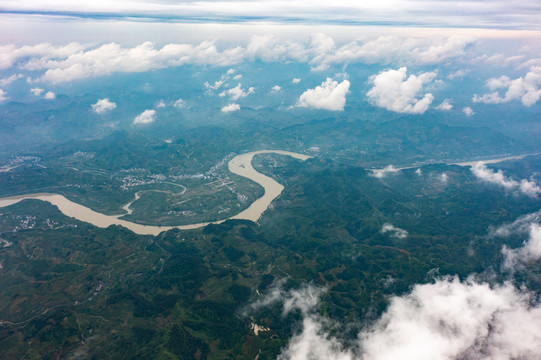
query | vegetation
[73, 290]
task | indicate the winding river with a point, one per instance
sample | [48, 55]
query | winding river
[240, 165]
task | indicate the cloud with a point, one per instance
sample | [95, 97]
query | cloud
[394, 91]
[217, 84]
[525, 226]
[75, 62]
[394, 231]
[527, 187]
[520, 226]
[490, 14]
[103, 105]
[145, 117]
[11, 79]
[330, 95]
[468, 111]
[389, 49]
[36, 91]
[275, 89]
[49, 95]
[381, 173]
[237, 92]
[3, 95]
[160, 104]
[445, 105]
[527, 89]
[456, 75]
[111, 58]
[11, 55]
[295, 81]
[448, 319]
[529, 251]
[444, 178]
[179, 104]
[231, 108]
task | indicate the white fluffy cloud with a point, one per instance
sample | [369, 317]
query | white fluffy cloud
[275, 89]
[49, 95]
[395, 91]
[445, 320]
[180, 103]
[36, 91]
[145, 117]
[3, 95]
[527, 89]
[445, 105]
[231, 107]
[451, 319]
[394, 231]
[330, 95]
[468, 111]
[237, 92]
[296, 80]
[527, 187]
[103, 105]
[160, 104]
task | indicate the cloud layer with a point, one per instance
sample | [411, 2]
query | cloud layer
[486, 14]
[74, 61]
[395, 91]
[330, 95]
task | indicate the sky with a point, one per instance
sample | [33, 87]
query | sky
[421, 55]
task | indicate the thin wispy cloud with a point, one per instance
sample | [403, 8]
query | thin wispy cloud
[488, 14]
[524, 186]
[394, 231]
[527, 89]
